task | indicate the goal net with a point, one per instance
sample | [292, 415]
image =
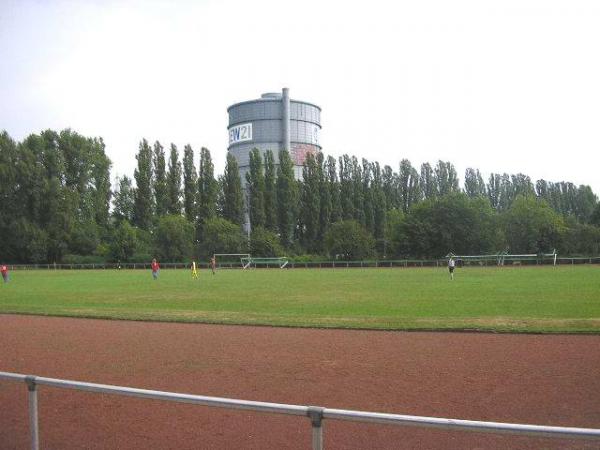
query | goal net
[230, 260]
[250, 261]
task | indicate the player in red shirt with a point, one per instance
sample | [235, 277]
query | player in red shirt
[4, 271]
[155, 269]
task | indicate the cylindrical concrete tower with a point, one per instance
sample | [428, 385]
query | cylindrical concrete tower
[274, 122]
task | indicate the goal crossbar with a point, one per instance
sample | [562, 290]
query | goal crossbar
[241, 255]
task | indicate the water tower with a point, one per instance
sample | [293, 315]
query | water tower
[274, 122]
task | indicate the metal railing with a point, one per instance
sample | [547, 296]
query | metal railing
[333, 264]
[315, 414]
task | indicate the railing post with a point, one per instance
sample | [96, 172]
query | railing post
[315, 413]
[33, 412]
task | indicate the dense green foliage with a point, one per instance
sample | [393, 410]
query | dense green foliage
[221, 236]
[562, 298]
[349, 240]
[56, 195]
[174, 239]
[265, 243]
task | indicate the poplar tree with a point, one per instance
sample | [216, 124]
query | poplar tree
[522, 185]
[143, 203]
[585, 202]
[100, 183]
[555, 195]
[255, 182]
[409, 185]
[367, 196]
[287, 199]
[474, 185]
[124, 199]
[189, 184]
[357, 192]
[404, 179]
[346, 191]
[379, 203]
[389, 187]
[233, 201]
[310, 204]
[174, 182]
[428, 182]
[506, 193]
[541, 190]
[207, 188]
[446, 178]
[270, 192]
[325, 213]
[415, 193]
[161, 193]
[333, 186]
[493, 190]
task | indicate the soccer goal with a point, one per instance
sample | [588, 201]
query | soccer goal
[504, 257]
[533, 258]
[481, 260]
[255, 262]
[230, 260]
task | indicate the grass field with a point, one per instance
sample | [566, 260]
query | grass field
[536, 299]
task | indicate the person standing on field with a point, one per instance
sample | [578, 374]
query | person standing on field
[451, 265]
[213, 264]
[194, 270]
[155, 269]
[4, 271]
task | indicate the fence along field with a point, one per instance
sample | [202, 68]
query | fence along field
[234, 263]
[521, 299]
[315, 414]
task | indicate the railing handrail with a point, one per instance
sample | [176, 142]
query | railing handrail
[296, 263]
[315, 413]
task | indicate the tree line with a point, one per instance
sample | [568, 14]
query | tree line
[58, 205]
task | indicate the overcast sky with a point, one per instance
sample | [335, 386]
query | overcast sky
[504, 86]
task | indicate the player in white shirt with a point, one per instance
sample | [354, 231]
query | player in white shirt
[451, 265]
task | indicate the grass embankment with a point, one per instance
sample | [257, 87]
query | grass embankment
[536, 299]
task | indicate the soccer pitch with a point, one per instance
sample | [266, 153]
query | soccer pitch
[533, 299]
